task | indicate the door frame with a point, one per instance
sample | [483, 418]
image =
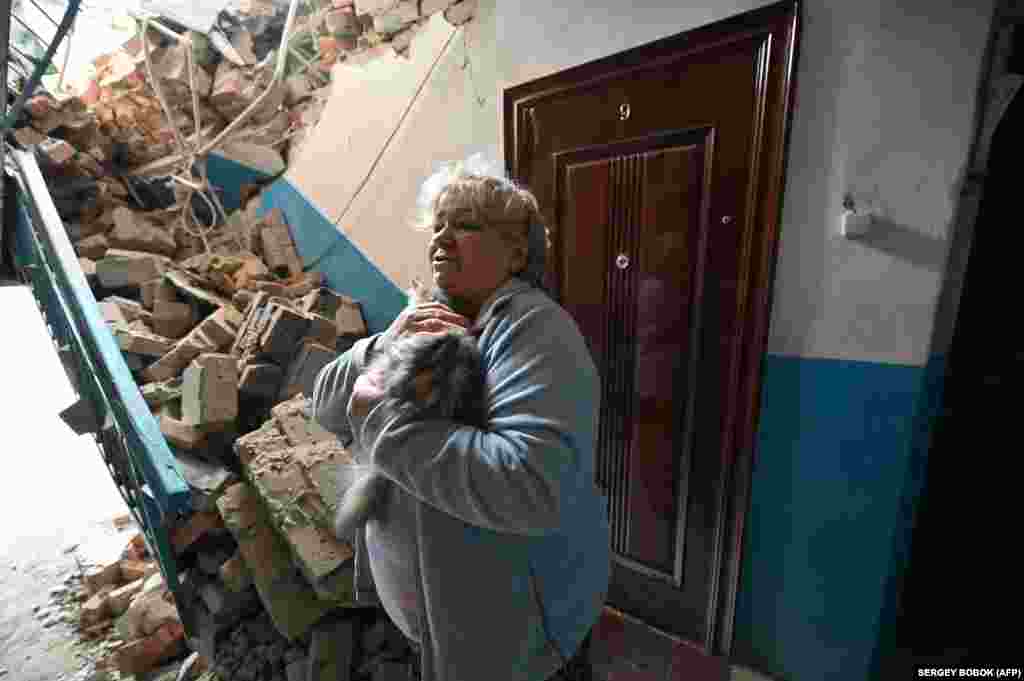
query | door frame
[777, 85]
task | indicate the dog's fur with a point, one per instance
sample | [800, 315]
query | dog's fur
[438, 376]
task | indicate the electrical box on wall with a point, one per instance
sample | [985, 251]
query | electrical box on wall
[854, 224]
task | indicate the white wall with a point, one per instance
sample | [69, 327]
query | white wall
[884, 109]
[454, 114]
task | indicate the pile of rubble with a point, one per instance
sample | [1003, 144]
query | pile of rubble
[114, 115]
[124, 614]
[225, 347]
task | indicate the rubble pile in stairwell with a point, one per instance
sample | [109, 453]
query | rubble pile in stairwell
[224, 332]
[225, 347]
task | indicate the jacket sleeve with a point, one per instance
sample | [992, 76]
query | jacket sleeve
[542, 408]
[333, 388]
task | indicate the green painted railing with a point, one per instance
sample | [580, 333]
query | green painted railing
[129, 438]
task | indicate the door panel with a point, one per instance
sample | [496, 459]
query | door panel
[659, 173]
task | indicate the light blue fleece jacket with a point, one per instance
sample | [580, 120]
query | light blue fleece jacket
[493, 550]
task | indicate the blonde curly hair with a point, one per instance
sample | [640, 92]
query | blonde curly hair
[494, 201]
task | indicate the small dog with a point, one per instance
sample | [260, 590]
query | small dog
[439, 376]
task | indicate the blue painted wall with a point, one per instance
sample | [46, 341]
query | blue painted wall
[837, 475]
[321, 246]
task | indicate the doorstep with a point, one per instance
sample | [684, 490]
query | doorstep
[625, 649]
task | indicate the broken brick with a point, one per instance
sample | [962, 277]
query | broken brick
[28, 137]
[98, 577]
[135, 232]
[119, 268]
[172, 363]
[157, 394]
[136, 548]
[132, 570]
[322, 301]
[180, 434]
[154, 290]
[144, 654]
[278, 247]
[322, 331]
[285, 328]
[131, 310]
[349, 318]
[121, 597]
[97, 607]
[266, 438]
[210, 390]
[171, 319]
[135, 340]
[94, 246]
[291, 603]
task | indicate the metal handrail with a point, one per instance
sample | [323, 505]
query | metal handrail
[11, 114]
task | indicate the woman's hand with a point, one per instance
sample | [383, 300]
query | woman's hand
[431, 318]
[425, 318]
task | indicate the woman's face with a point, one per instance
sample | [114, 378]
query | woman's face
[470, 259]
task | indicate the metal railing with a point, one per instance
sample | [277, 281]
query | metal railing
[30, 68]
[128, 436]
[34, 237]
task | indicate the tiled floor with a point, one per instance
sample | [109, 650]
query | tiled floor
[624, 649]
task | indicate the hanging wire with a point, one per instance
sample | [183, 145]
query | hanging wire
[191, 153]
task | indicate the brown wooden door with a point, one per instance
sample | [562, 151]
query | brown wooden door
[659, 171]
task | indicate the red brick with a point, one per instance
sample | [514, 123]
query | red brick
[136, 569]
[172, 319]
[136, 548]
[99, 577]
[97, 607]
[144, 654]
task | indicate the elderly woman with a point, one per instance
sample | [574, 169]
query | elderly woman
[492, 550]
